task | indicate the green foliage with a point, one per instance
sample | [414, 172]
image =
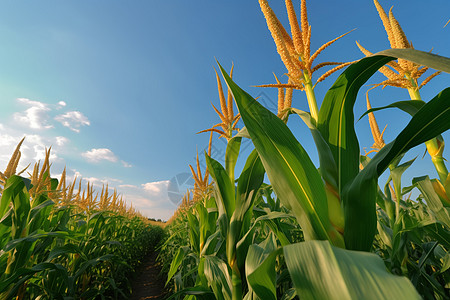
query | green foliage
[265, 243]
[52, 252]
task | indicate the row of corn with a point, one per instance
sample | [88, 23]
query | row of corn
[58, 241]
[329, 232]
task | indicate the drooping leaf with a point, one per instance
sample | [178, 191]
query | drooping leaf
[428, 59]
[409, 106]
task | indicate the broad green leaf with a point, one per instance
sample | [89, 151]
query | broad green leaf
[360, 197]
[194, 232]
[396, 175]
[223, 186]
[249, 183]
[218, 276]
[176, 262]
[231, 155]
[434, 203]
[328, 168]
[428, 59]
[321, 271]
[260, 268]
[336, 118]
[14, 185]
[246, 240]
[293, 176]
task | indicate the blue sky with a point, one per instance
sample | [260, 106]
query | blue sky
[119, 89]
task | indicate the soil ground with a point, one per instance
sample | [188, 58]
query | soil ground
[149, 284]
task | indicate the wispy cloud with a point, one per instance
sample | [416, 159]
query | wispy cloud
[61, 141]
[125, 164]
[97, 155]
[35, 117]
[73, 120]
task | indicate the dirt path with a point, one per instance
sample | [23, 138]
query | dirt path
[148, 283]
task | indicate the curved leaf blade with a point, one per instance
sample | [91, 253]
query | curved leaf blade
[360, 216]
[294, 177]
[431, 60]
[321, 271]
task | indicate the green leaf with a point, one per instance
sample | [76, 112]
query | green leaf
[194, 232]
[396, 175]
[198, 291]
[321, 271]
[231, 155]
[434, 203]
[260, 268]
[431, 60]
[216, 272]
[328, 168]
[360, 197]
[223, 186]
[336, 118]
[176, 262]
[249, 182]
[409, 106]
[293, 176]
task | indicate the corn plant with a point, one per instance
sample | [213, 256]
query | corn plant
[312, 238]
[57, 244]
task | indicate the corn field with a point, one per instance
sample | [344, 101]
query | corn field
[332, 231]
[58, 241]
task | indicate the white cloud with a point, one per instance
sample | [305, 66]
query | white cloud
[61, 141]
[97, 155]
[34, 117]
[125, 164]
[61, 104]
[128, 186]
[156, 187]
[151, 199]
[73, 120]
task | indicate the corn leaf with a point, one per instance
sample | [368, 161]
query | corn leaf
[360, 197]
[176, 262]
[409, 106]
[223, 186]
[321, 271]
[431, 60]
[248, 186]
[434, 203]
[260, 268]
[336, 118]
[328, 168]
[231, 155]
[217, 274]
[294, 177]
